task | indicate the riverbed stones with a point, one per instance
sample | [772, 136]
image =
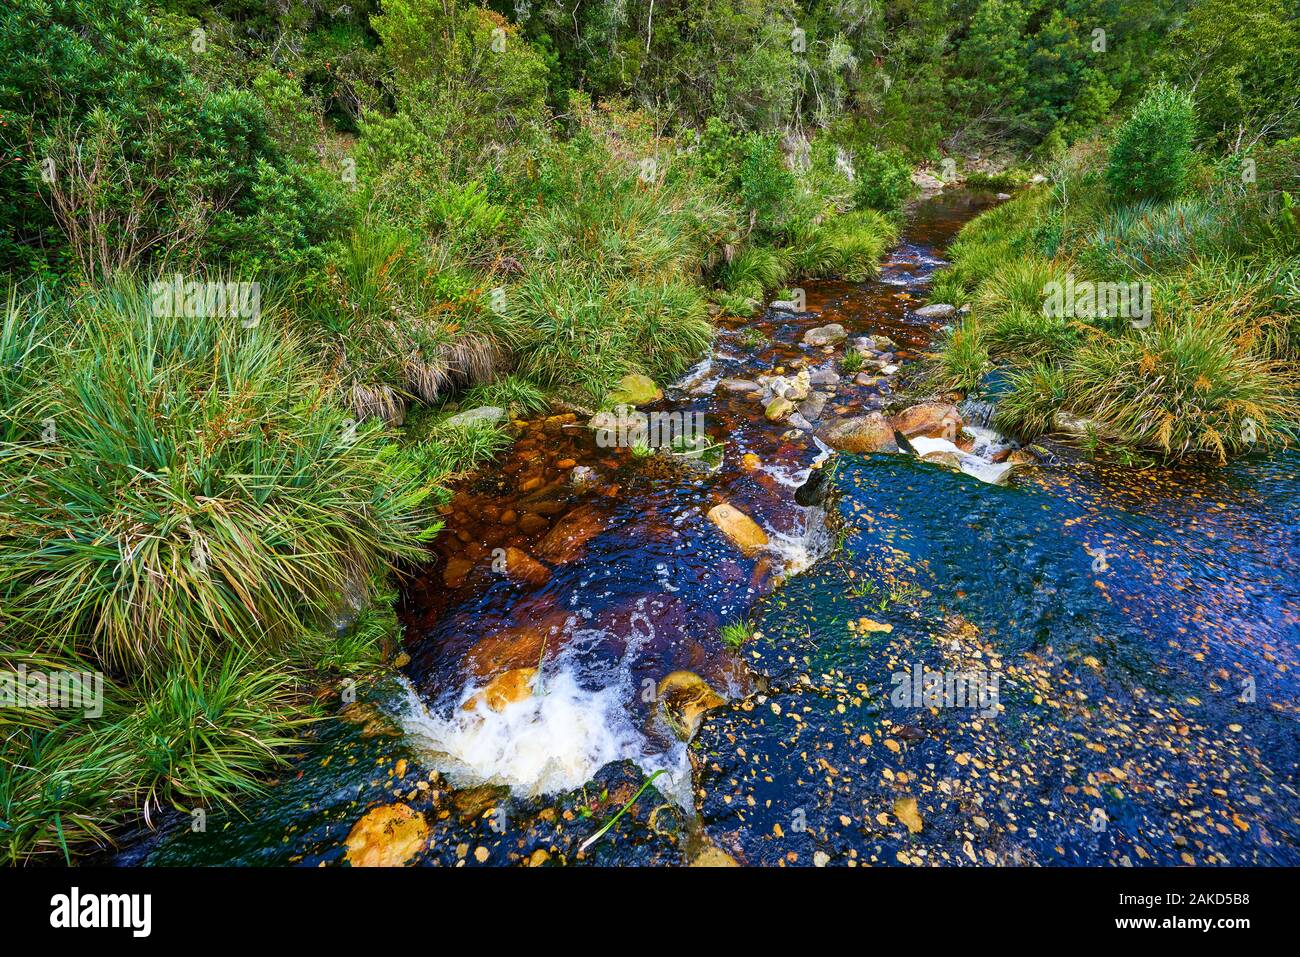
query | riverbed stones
[505, 689]
[570, 535]
[938, 310]
[743, 531]
[740, 385]
[520, 566]
[454, 572]
[811, 407]
[635, 389]
[778, 409]
[825, 335]
[930, 419]
[862, 434]
[824, 377]
[532, 523]
[386, 836]
[684, 698]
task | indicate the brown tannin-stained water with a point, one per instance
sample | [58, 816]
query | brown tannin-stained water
[601, 567]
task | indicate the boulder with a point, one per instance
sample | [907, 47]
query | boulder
[926, 182]
[811, 407]
[744, 532]
[634, 389]
[785, 305]
[778, 409]
[483, 415]
[386, 836]
[939, 310]
[825, 335]
[930, 419]
[684, 698]
[824, 377]
[1072, 424]
[740, 385]
[944, 458]
[862, 434]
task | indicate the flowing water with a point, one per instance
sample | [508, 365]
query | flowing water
[1138, 629]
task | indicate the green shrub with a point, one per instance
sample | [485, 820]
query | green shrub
[1151, 157]
[1019, 334]
[882, 179]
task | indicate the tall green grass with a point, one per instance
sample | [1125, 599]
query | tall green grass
[200, 489]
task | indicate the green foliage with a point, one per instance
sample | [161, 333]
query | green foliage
[142, 540]
[882, 179]
[736, 633]
[1151, 157]
[123, 157]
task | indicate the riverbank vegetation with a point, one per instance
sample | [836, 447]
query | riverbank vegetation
[1146, 300]
[260, 258]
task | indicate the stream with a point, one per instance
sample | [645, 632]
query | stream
[1088, 664]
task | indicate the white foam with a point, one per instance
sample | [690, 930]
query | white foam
[972, 465]
[556, 740]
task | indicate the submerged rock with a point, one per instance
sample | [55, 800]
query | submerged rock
[744, 532]
[740, 385]
[514, 685]
[386, 836]
[570, 534]
[862, 434]
[684, 698]
[521, 566]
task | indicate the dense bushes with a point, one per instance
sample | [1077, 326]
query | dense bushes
[1209, 366]
[124, 157]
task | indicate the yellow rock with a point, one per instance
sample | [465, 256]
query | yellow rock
[387, 836]
[713, 856]
[684, 697]
[743, 531]
[750, 461]
[514, 685]
[905, 811]
[866, 624]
